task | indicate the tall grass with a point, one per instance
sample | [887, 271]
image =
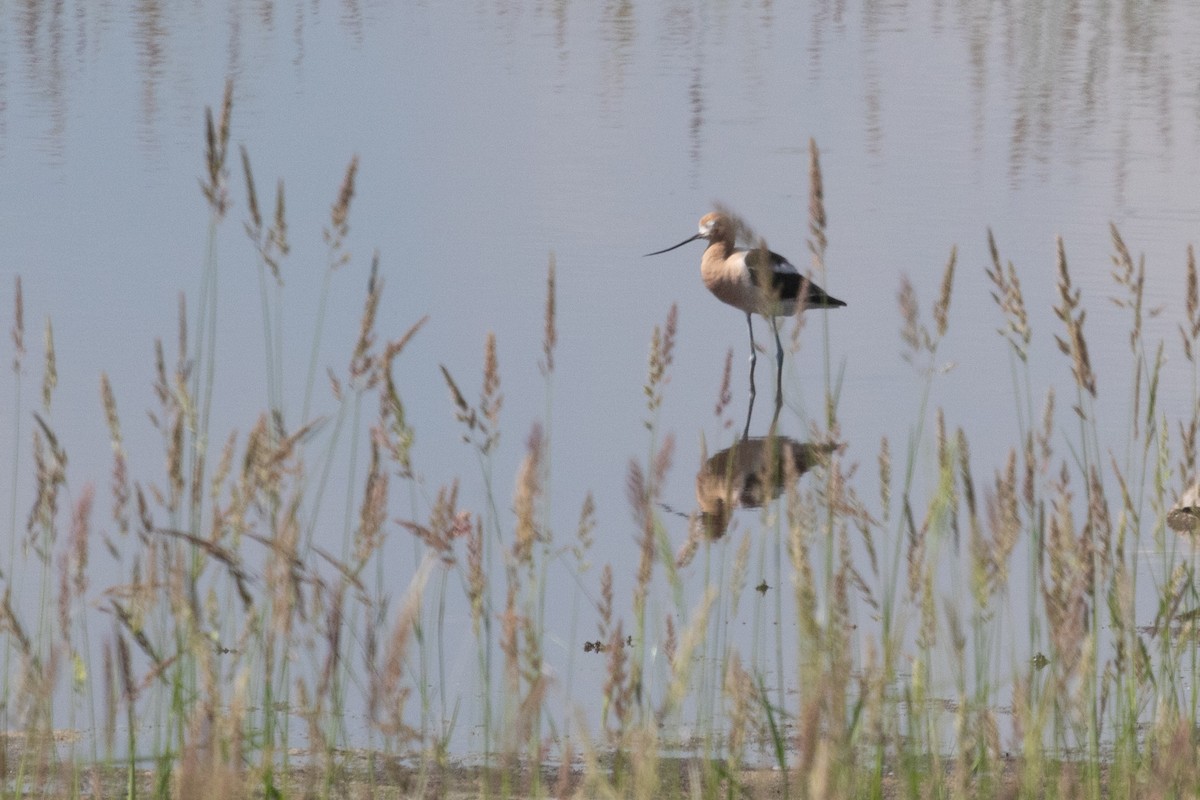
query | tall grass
[240, 655]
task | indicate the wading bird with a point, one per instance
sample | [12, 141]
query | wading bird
[755, 280]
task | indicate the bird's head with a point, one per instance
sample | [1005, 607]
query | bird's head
[714, 226]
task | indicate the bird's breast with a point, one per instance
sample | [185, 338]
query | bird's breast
[728, 279]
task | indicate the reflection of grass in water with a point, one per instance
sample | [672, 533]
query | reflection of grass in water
[239, 656]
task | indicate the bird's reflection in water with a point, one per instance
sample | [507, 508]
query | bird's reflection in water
[1184, 517]
[750, 474]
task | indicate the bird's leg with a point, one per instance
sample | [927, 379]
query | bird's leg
[753, 354]
[750, 413]
[778, 364]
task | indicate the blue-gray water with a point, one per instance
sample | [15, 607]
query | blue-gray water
[491, 135]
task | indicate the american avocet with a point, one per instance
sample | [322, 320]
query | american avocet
[756, 280]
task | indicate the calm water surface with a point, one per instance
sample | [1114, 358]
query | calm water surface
[494, 134]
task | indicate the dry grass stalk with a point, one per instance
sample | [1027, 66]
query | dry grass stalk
[643, 492]
[801, 523]
[945, 502]
[914, 334]
[866, 589]
[566, 781]
[812, 747]
[741, 694]
[737, 579]
[1065, 589]
[1172, 769]
[928, 630]
[1075, 345]
[368, 536]
[670, 642]
[1004, 521]
[874, 724]
[446, 524]
[1190, 331]
[183, 363]
[108, 693]
[527, 499]
[51, 464]
[221, 473]
[662, 349]
[684, 658]
[491, 400]
[697, 533]
[387, 691]
[132, 619]
[1187, 446]
[339, 215]
[335, 385]
[484, 419]
[120, 487]
[64, 598]
[835, 495]
[1029, 720]
[968, 483]
[174, 418]
[532, 672]
[1099, 523]
[50, 369]
[1133, 279]
[1123, 269]
[1039, 463]
[255, 224]
[79, 541]
[394, 432]
[216, 147]
[283, 572]
[210, 764]
[583, 532]
[334, 628]
[364, 373]
[278, 233]
[476, 577]
[162, 387]
[915, 553]
[605, 622]
[271, 244]
[1007, 295]
[885, 478]
[509, 640]
[941, 309]
[464, 412]
[10, 624]
[125, 672]
[816, 208]
[208, 760]
[837, 639]
[310, 714]
[550, 335]
[18, 326]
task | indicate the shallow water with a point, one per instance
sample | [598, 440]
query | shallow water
[492, 135]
